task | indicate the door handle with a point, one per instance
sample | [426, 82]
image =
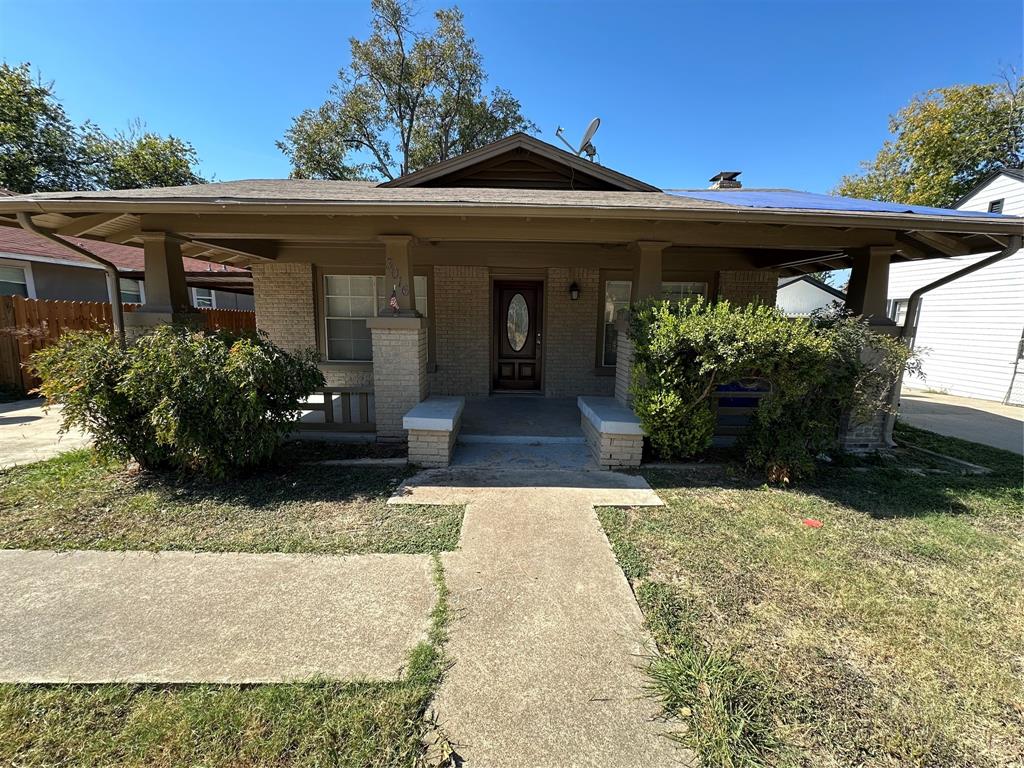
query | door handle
[538, 338]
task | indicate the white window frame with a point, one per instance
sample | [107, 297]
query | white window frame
[195, 298]
[381, 297]
[604, 320]
[704, 290]
[26, 269]
[142, 289]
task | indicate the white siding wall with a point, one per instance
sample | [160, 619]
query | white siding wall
[970, 330]
[802, 298]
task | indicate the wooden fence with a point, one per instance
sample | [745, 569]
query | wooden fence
[30, 324]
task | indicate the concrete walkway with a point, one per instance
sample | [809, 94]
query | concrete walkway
[980, 421]
[28, 433]
[547, 639]
[180, 617]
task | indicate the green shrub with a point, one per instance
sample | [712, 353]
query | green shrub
[815, 371]
[211, 403]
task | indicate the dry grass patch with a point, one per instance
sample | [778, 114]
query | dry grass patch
[75, 501]
[890, 636]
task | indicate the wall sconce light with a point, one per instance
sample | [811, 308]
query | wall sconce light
[574, 291]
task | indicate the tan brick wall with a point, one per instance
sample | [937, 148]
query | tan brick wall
[432, 448]
[611, 451]
[284, 304]
[745, 286]
[399, 377]
[570, 335]
[462, 327]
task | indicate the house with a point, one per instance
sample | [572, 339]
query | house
[970, 332]
[504, 270]
[34, 267]
[803, 295]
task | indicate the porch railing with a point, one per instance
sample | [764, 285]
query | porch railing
[338, 409]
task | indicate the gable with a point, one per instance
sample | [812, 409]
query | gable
[521, 162]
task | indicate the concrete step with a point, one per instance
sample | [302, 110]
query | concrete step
[465, 439]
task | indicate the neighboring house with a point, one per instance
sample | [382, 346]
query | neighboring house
[33, 267]
[503, 270]
[802, 296]
[971, 332]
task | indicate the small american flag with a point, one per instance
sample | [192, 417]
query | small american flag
[393, 301]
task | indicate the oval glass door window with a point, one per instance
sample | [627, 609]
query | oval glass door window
[518, 325]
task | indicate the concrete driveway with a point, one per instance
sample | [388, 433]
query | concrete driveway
[28, 433]
[980, 421]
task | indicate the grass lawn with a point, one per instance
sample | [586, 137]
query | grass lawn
[889, 636]
[317, 724]
[75, 501]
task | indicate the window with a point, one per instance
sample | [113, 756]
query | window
[898, 311]
[14, 281]
[616, 302]
[996, 206]
[349, 300]
[202, 298]
[131, 291]
[681, 291]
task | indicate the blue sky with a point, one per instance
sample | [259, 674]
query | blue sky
[794, 94]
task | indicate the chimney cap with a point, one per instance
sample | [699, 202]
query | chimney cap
[725, 176]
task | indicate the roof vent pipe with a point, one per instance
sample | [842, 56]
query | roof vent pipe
[726, 180]
[113, 279]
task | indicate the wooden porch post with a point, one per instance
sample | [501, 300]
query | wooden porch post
[166, 293]
[647, 284]
[398, 274]
[869, 283]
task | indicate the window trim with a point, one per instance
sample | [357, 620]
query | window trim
[140, 283]
[26, 270]
[195, 297]
[613, 275]
[320, 274]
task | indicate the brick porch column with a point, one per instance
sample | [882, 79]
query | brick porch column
[623, 361]
[399, 371]
[646, 285]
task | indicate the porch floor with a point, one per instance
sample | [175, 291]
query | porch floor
[521, 416]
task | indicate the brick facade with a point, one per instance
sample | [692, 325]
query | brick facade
[284, 304]
[399, 375]
[570, 334]
[432, 448]
[461, 314]
[612, 451]
[624, 365]
[745, 286]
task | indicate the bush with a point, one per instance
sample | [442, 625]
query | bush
[210, 403]
[815, 372]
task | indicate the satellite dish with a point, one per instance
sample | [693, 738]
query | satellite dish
[588, 135]
[585, 147]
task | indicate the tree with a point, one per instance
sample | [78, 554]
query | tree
[944, 141]
[139, 159]
[41, 150]
[406, 100]
[39, 145]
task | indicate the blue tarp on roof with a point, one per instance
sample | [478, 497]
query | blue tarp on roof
[785, 198]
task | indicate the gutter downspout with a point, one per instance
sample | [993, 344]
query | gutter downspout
[909, 331]
[908, 334]
[113, 279]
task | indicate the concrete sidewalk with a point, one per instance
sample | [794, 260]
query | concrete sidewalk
[177, 617]
[29, 433]
[980, 421]
[547, 639]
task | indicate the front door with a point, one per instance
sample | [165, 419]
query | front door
[517, 334]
